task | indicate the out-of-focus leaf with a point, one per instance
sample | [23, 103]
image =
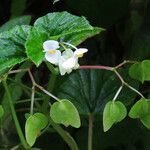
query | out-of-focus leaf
[140, 71]
[23, 20]
[90, 90]
[16, 92]
[17, 7]
[1, 111]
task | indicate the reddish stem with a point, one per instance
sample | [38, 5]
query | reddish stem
[97, 67]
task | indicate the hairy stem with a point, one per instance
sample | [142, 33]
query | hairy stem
[14, 115]
[90, 132]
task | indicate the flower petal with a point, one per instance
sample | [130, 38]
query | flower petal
[50, 45]
[79, 52]
[53, 57]
[68, 53]
[69, 63]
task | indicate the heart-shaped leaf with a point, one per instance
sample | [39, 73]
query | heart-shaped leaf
[90, 90]
[113, 112]
[64, 112]
[140, 71]
[34, 124]
[141, 110]
[1, 111]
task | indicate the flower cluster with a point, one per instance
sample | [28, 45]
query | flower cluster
[66, 60]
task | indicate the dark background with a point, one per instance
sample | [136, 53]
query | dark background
[127, 36]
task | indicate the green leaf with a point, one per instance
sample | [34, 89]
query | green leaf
[34, 45]
[23, 20]
[141, 110]
[64, 112]
[34, 124]
[138, 109]
[90, 90]
[12, 50]
[140, 71]
[113, 112]
[60, 26]
[1, 111]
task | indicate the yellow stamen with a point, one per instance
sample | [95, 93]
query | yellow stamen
[52, 51]
[79, 55]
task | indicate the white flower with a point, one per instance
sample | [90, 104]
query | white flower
[52, 54]
[68, 62]
[80, 52]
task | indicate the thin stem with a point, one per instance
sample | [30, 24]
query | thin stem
[70, 45]
[133, 89]
[97, 67]
[119, 76]
[50, 87]
[40, 87]
[32, 100]
[90, 132]
[28, 100]
[63, 46]
[117, 94]
[126, 84]
[125, 62]
[24, 86]
[18, 71]
[31, 77]
[64, 134]
[14, 115]
[46, 92]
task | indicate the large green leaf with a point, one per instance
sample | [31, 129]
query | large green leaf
[113, 112]
[34, 124]
[34, 45]
[140, 71]
[23, 20]
[12, 49]
[60, 26]
[64, 112]
[141, 110]
[90, 90]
